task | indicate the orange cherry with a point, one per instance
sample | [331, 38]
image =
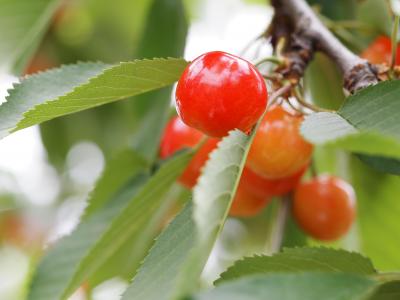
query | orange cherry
[324, 207]
[178, 136]
[247, 204]
[278, 149]
[380, 51]
[262, 186]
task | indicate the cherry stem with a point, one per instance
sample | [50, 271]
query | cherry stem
[278, 230]
[306, 104]
[272, 59]
[313, 168]
[395, 31]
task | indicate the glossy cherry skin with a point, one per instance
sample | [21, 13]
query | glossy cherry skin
[380, 51]
[247, 204]
[178, 136]
[325, 207]
[278, 149]
[219, 92]
[264, 187]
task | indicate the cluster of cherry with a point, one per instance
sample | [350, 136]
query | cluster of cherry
[219, 92]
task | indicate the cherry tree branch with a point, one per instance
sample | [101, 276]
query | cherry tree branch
[305, 34]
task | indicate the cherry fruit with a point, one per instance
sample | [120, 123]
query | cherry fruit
[219, 92]
[380, 51]
[278, 149]
[263, 187]
[178, 136]
[324, 207]
[246, 203]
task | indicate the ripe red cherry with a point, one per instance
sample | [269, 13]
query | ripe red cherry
[278, 149]
[178, 136]
[219, 92]
[247, 204]
[263, 187]
[324, 207]
[380, 51]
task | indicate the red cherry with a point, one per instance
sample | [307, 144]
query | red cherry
[324, 207]
[263, 187]
[278, 149]
[178, 136]
[219, 92]
[380, 51]
[247, 204]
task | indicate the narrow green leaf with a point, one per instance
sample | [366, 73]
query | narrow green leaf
[293, 260]
[387, 291]
[22, 24]
[212, 199]
[73, 88]
[138, 222]
[378, 210]
[332, 130]
[156, 278]
[116, 174]
[133, 217]
[42, 87]
[375, 109]
[320, 128]
[367, 123]
[304, 286]
[382, 164]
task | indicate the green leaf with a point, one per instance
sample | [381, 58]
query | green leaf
[42, 87]
[156, 278]
[332, 130]
[293, 260]
[135, 217]
[377, 215]
[22, 24]
[324, 127]
[118, 171]
[388, 291]
[212, 199]
[367, 123]
[375, 109]
[73, 88]
[139, 221]
[382, 164]
[304, 286]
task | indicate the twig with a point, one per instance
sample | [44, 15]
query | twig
[307, 34]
